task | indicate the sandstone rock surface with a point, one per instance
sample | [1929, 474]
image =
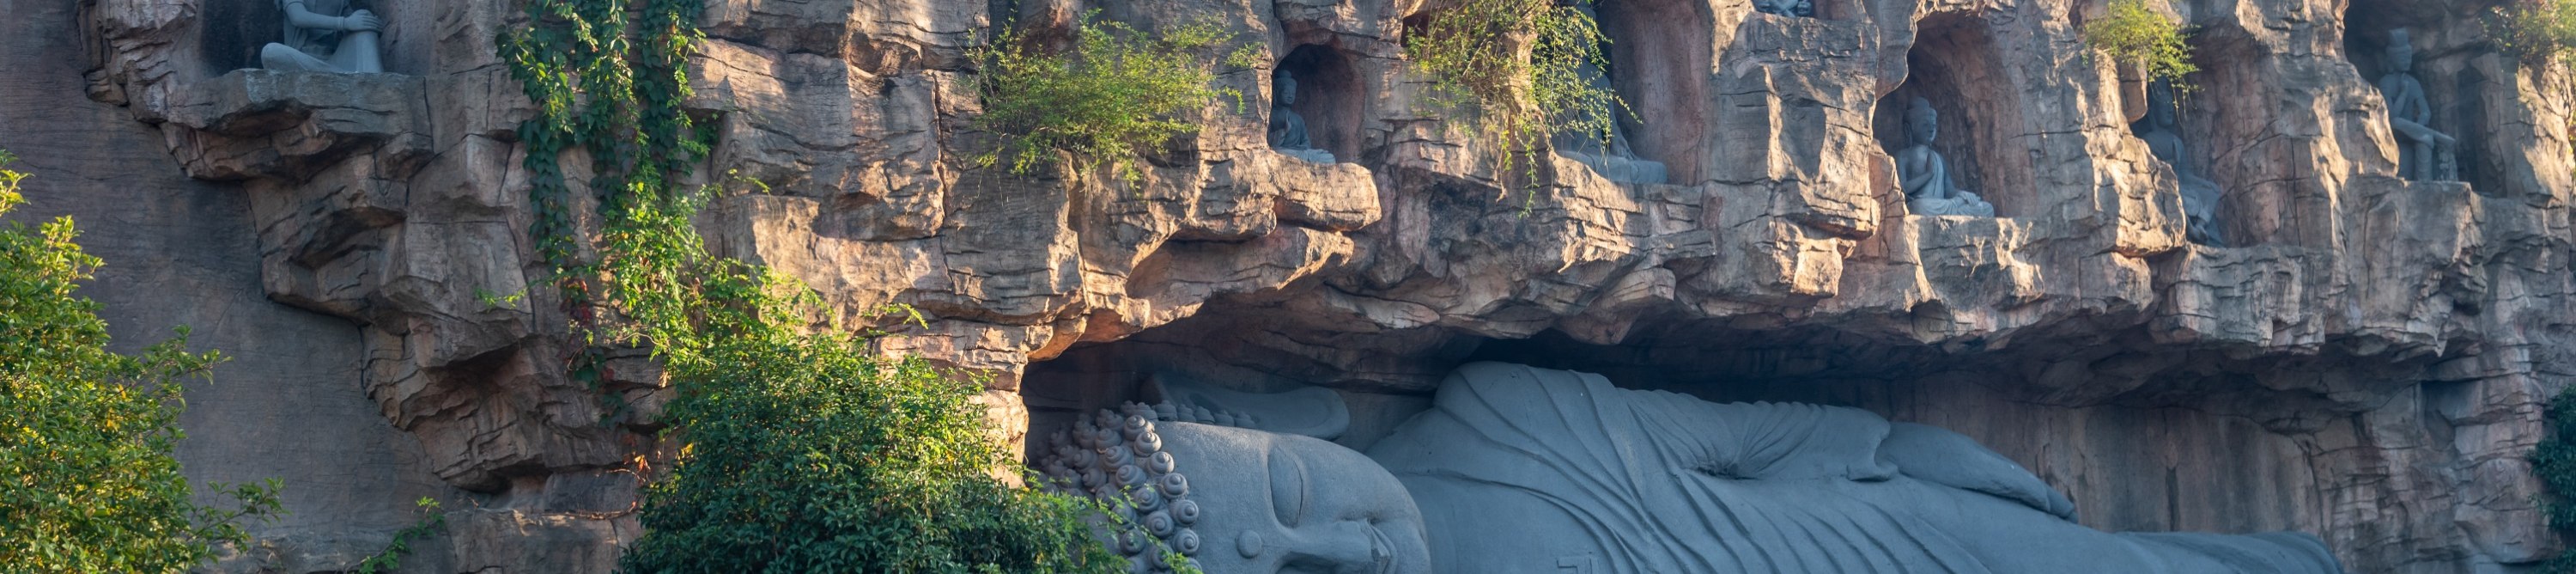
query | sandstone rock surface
[2367, 361]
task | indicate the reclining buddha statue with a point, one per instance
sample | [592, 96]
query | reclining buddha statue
[1521, 469]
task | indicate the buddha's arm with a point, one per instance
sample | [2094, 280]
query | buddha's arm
[1939, 456]
[1922, 172]
[302, 17]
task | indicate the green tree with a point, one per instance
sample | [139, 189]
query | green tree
[87, 483]
[801, 451]
[2554, 461]
[2538, 32]
[798, 449]
[2135, 34]
[1517, 98]
[1116, 94]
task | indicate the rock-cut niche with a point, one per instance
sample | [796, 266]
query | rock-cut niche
[2432, 93]
[1328, 97]
[1497, 467]
[248, 34]
[1653, 45]
[1954, 69]
[231, 33]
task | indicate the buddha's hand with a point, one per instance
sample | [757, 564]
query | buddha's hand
[361, 21]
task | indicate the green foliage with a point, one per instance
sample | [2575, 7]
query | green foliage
[2554, 460]
[799, 449]
[1117, 94]
[2537, 31]
[2135, 34]
[613, 87]
[87, 483]
[432, 519]
[1468, 50]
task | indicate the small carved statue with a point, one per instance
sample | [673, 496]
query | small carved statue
[1928, 189]
[1287, 129]
[319, 43]
[1522, 469]
[1798, 8]
[2423, 154]
[1610, 156]
[2199, 196]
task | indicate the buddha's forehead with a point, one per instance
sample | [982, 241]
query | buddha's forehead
[1202, 446]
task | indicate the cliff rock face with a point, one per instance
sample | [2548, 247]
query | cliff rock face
[2365, 359]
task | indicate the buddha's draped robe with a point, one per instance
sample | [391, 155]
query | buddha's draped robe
[1520, 469]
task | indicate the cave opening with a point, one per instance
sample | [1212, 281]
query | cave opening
[2234, 444]
[1329, 96]
[1955, 66]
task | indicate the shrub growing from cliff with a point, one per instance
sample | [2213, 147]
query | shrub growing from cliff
[2554, 460]
[1469, 50]
[2134, 34]
[797, 449]
[2537, 31]
[1116, 94]
[87, 483]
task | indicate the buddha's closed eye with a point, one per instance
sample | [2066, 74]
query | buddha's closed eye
[1287, 487]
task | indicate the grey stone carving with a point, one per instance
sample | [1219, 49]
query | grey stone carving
[1798, 8]
[1287, 128]
[320, 42]
[2199, 195]
[1121, 457]
[1928, 188]
[1608, 154]
[2422, 153]
[1520, 469]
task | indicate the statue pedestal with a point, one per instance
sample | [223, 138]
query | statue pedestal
[254, 123]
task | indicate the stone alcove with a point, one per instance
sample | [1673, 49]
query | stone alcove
[2144, 437]
[2449, 43]
[1956, 66]
[1652, 46]
[230, 33]
[1331, 98]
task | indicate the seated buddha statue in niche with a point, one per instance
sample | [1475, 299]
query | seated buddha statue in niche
[1521, 469]
[1926, 176]
[2199, 195]
[1288, 133]
[319, 38]
[2423, 154]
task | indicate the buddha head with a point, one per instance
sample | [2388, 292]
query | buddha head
[2160, 105]
[1247, 501]
[2401, 51]
[1922, 125]
[1283, 89]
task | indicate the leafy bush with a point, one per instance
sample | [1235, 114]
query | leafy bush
[1118, 94]
[2134, 34]
[87, 483]
[799, 450]
[1468, 50]
[2537, 31]
[431, 520]
[2554, 460]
